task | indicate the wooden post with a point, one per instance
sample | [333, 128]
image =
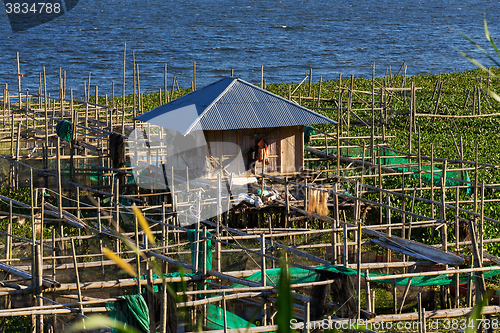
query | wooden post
[8, 238]
[442, 213]
[165, 84]
[262, 174]
[37, 277]
[478, 276]
[74, 121]
[481, 224]
[113, 106]
[204, 271]
[196, 263]
[97, 102]
[432, 181]
[218, 231]
[262, 77]
[19, 80]
[224, 311]
[18, 147]
[406, 291]
[138, 256]
[164, 307]
[346, 248]
[134, 73]
[372, 133]
[99, 225]
[53, 253]
[394, 296]
[373, 300]
[367, 291]
[421, 315]
[164, 232]
[310, 80]
[263, 275]
[469, 300]
[333, 225]
[117, 210]
[7, 255]
[123, 96]
[389, 229]
[319, 91]
[152, 323]
[59, 181]
[194, 75]
[307, 316]
[87, 93]
[457, 238]
[6, 92]
[77, 276]
[287, 204]
[359, 268]
[12, 136]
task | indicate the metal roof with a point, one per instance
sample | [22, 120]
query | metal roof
[232, 103]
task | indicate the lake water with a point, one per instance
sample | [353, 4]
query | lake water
[286, 37]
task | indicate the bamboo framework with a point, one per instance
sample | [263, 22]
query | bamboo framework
[82, 200]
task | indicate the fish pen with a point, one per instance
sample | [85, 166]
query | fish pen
[103, 213]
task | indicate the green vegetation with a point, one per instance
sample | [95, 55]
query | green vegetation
[452, 93]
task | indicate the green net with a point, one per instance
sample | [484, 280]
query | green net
[191, 236]
[434, 280]
[390, 158]
[308, 131]
[299, 275]
[64, 130]
[132, 312]
[215, 319]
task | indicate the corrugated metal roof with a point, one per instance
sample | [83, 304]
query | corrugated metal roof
[232, 103]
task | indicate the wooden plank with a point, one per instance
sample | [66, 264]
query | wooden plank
[288, 149]
[299, 150]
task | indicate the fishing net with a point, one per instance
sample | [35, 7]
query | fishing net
[64, 130]
[391, 159]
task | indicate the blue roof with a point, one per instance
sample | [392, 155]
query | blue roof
[231, 103]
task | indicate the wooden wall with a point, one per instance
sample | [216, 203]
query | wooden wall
[285, 148]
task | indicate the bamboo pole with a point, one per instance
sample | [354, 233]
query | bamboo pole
[123, 95]
[19, 80]
[165, 84]
[59, 181]
[310, 80]
[38, 258]
[435, 273]
[77, 277]
[368, 292]
[135, 86]
[358, 292]
[194, 75]
[152, 321]
[263, 275]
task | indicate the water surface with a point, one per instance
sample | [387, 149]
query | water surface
[286, 37]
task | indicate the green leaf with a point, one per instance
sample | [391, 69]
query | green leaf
[98, 321]
[488, 36]
[285, 301]
[480, 49]
[475, 315]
